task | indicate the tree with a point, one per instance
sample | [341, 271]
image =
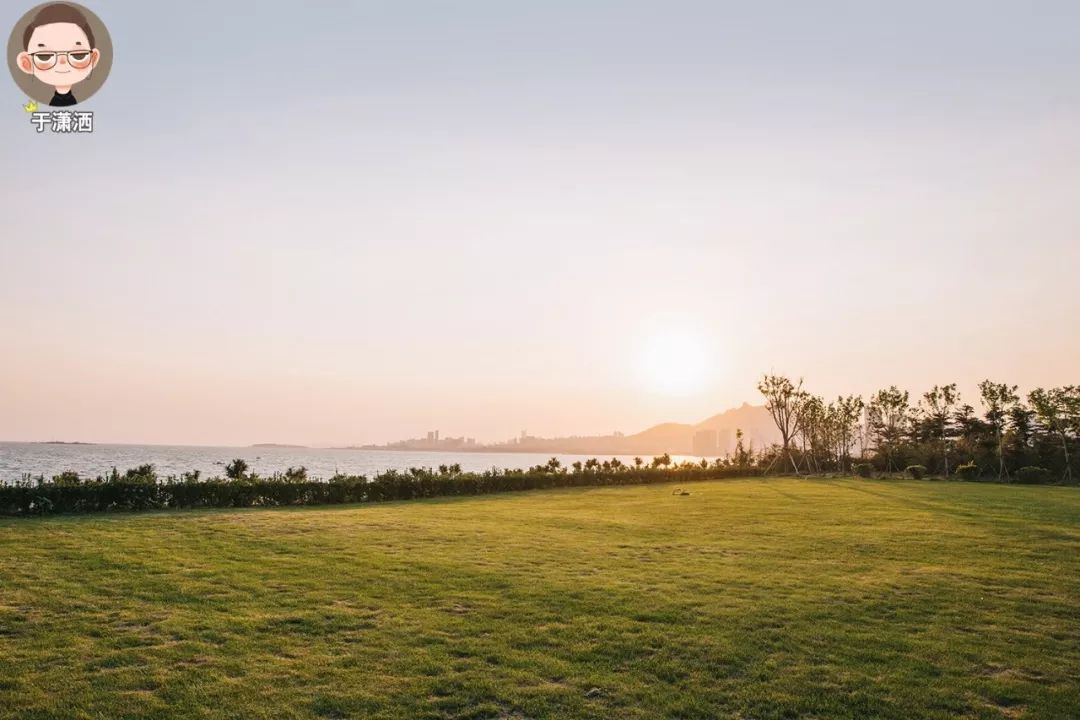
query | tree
[743, 457]
[814, 430]
[889, 416]
[236, 469]
[846, 414]
[938, 405]
[998, 399]
[784, 400]
[1058, 410]
[1019, 440]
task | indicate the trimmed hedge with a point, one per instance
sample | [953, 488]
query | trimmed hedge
[916, 472]
[1031, 475]
[968, 471]
[863, 470]
[140, 489]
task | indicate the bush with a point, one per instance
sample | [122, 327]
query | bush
[863, 470]
[67, 477]
[141, 489]
[968, 471]
[296, 475]
[237, 469]
[1032, 475]
[916, 472]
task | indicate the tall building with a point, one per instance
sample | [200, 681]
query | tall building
[724, 442]
[705, 443]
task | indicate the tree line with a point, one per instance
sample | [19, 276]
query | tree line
[1008, 437]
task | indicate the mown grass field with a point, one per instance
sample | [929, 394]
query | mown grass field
[778, 598]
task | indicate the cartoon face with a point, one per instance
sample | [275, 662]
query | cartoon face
[59, 54]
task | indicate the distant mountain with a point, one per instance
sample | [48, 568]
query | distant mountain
[675, 438]
[678, 438]
[664, 432]
[754, 420]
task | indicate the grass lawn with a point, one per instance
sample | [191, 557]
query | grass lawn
[752, 598]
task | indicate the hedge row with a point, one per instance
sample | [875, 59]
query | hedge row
[140, 489]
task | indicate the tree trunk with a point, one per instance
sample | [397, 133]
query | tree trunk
[787, 451]
[944, 450]
[1068, 467]
[1001, 456]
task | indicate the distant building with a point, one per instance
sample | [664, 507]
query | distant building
[724, 443]
[431, 436]
[705, 443]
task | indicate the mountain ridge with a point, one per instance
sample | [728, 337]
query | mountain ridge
[713, 436]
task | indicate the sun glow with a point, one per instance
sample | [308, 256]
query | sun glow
[674, 361]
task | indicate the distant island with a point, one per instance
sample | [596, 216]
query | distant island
[61, 442]
[713, 437]
[279, 445]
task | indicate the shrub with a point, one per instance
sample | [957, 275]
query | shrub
[1032, 475]
[296, 475]
[236, 469]
[67, 477]
[917, 472]
[968, 471]
[141, 489]
[863, 470]
[141, 474]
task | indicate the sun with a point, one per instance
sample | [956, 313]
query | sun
[674, 361]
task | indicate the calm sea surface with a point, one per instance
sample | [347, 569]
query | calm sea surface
[18, 459]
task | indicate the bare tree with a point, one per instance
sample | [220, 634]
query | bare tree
[784, 400]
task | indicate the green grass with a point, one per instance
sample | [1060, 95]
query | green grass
[748, 599]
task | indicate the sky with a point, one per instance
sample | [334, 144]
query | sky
[356, 222]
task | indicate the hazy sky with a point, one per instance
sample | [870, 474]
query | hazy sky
[360, 221]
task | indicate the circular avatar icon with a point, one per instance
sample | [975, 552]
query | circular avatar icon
[60, 54]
